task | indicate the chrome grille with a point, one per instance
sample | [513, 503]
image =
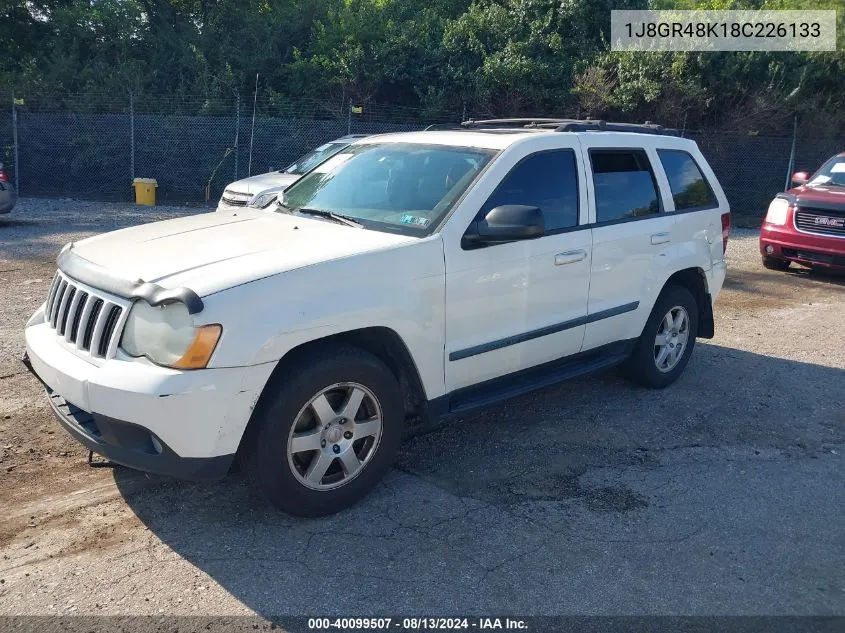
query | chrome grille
[820, 221]
[86, 320]
[236, 199]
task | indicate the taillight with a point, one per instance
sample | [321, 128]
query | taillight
[726, 230]
[3, 176]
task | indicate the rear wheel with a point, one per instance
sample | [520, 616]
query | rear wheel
[327, 431]
[667, 341]
[773, 263]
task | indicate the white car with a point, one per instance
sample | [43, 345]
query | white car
[421, 274]
[241, 192]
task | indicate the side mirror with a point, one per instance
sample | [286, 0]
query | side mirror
[800, 178]
[507, 223]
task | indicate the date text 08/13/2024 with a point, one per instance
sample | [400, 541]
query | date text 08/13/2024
[418, 623]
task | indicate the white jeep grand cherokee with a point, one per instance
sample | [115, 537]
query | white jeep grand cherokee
[415, 275]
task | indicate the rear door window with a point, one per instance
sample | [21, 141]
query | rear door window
[690, 189]
[624, 184]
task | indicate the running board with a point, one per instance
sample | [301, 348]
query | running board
[527, 380]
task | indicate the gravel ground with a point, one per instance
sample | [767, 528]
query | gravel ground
[724, 494]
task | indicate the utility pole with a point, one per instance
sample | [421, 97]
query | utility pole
[252, 134]
[131, 136]
[791, 155]
[15, 142]
[237, 131]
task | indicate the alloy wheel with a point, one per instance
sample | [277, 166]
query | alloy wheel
[671, 339]
[334, 436]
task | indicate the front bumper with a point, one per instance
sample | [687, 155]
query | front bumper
[186, 424]
[131, 445]
[786, 242]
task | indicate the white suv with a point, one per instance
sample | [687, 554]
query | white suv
[415, 275]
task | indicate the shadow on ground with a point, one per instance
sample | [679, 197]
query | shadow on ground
[752, 281]
[591, 497]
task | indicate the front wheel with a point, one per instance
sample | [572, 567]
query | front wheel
[327, 431]
[667, 341]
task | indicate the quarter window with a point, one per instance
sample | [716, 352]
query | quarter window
[624, 184]
[546, 180]
[690, 189]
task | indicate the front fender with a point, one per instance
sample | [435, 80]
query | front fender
[401, 289]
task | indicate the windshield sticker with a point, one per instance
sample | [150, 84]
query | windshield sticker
[416, 220]
[838, 168]
[322, 148]
[333, 163]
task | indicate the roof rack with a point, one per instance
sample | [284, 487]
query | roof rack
[571, 125]
[444, 126]
[521, 122]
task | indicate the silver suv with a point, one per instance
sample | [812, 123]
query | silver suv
[240, 192]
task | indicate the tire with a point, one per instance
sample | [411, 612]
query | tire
[287, 419]
[773, 263]
[642, 366]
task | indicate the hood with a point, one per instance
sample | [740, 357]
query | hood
[214, 251]
[820, 196]
[261, 182]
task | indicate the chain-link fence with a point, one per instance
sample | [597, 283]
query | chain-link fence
[92, 145]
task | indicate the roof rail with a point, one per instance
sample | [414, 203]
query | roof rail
[443, 126]
[572, 125]
[522, 122]
[610, 126]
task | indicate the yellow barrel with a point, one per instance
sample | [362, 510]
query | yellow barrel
[145, 191]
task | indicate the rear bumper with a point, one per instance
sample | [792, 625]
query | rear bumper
[785, 242]
[716, 279]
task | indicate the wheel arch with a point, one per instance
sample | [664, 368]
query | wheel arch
[695, 280]
[383, 343]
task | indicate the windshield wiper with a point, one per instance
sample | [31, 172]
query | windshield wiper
[281, 207]
[337, 217]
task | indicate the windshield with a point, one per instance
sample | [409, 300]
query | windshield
[831, 173]
[315, 157]
[404, 187]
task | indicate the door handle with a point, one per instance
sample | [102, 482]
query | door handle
[660, 238]
[570, 257]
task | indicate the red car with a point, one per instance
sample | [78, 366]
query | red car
[806, 224]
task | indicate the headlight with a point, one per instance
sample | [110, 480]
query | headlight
[262, 200]
[167, 336]
[777, 212]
